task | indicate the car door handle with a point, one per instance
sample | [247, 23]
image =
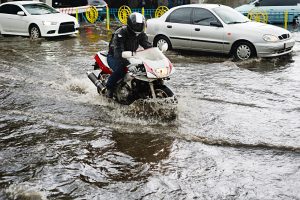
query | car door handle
[197, 29]
[169, 26]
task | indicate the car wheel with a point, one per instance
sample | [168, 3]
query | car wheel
[243, 50]
[161, 40]
[34, 32]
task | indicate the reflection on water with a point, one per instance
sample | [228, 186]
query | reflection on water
[234, 133]
[267, 64]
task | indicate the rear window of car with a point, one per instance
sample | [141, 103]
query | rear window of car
[10, 9]
[180, 15]
[68, 3]
[278, 2]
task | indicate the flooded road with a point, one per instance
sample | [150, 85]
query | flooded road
[236, 134]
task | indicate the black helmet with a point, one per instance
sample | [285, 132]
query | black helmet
[136, 23]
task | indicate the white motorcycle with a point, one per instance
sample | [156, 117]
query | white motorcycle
[145, 77]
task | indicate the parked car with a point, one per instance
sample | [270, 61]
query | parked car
[35, 19]
[218, 28]
[100, 3]
[274, 9]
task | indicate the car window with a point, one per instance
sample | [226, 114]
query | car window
[278, 2]
[181, 15]
[203, 17]
[39, 9]
[252, 1]
[97, 2]
[10, 9]
[68, 3]
[229, 15]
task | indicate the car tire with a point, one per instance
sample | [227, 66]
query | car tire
[243, 50]
[34, 32]
[160, 40]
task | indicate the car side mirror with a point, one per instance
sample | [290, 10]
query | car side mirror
[216, 24]
[21, 13]
[256, 4]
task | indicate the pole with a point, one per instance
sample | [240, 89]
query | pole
[107, 17]
[286, 16]
[77, 15]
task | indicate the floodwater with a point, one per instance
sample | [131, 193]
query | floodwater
[236, 134]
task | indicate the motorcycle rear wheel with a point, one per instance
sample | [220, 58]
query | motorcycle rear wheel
[123, 94]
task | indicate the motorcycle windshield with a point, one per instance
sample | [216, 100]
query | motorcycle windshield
[157, 65]
[153, 54]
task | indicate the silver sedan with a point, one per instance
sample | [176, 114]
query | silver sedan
[218, 28]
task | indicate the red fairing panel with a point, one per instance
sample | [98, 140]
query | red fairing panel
[102, 66]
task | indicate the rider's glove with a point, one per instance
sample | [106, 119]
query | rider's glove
[133, 69]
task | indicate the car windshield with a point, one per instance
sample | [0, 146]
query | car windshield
[252, 1]
[230, 16]
[39, 9]
[97, 2]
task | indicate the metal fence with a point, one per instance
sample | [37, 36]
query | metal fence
[119, 15]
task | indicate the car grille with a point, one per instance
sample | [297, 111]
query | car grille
[284, 50]
[284, 36]
[66, 27]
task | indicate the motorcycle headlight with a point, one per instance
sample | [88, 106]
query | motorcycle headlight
[161, 72]
[270, 38]
[47, 23]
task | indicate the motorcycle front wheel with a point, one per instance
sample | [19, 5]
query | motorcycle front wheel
[162, 91]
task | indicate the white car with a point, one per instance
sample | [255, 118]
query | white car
[35, 19]
[218, 28]
[274, 8]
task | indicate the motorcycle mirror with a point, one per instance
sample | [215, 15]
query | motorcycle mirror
[164, 47]
[127, 54]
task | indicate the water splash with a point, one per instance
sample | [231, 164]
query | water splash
[159, 109]
[25, 192]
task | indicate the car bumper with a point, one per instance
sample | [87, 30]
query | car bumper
[274, 49]
[56, 30]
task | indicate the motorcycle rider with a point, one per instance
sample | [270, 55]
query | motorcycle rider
[126, 38]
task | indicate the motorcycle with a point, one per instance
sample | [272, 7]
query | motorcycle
[144, 79]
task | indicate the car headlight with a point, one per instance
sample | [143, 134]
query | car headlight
[270, 38]
[47, 23]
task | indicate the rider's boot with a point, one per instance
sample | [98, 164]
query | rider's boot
[109, 93]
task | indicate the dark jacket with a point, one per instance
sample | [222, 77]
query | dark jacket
[125, 40]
